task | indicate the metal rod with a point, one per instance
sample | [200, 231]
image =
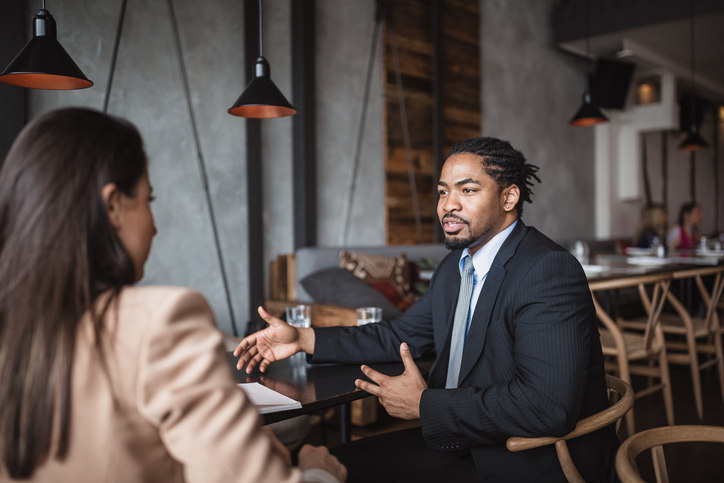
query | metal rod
[114, 56]
[360, 130]
[202, 163]
[405, 128]
[693, 73]
[261, 51]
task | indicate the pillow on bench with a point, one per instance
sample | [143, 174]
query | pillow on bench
[340, 287]
[388, 275]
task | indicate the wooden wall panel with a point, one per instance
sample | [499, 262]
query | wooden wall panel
[409, 23]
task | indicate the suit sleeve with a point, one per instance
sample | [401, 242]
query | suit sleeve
[185, 388]
[380, 342]
[552, 327]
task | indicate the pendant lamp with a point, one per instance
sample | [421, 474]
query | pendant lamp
[43, 63]
[261, 99]
[589, 113]
[693, 140]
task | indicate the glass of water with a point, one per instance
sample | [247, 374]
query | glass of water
[368, 315]
[299, 315]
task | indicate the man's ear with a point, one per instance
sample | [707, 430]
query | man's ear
[511, 195]
[111, 198]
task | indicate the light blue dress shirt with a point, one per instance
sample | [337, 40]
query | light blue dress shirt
[482, 260]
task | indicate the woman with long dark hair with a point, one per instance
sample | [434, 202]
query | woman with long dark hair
[685, 235]
[101, 380]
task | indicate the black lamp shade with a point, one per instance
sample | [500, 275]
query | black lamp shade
[43, 63]
[588, 114]
[262, 99]
[693, 141]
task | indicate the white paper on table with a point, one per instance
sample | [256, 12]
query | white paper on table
[647, 261]
[267, 400]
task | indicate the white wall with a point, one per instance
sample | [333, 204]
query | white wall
[530, 90]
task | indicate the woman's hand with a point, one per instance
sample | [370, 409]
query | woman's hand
[278, 341]
[319, 457]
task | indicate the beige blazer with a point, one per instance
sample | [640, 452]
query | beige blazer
[179, 415]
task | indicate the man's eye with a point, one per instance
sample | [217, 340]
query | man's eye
[468, 190]
[441, 192]
[151, 199]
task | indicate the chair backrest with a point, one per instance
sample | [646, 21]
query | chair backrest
[654, 439]
[653, 304]
[709, 298]
[610, 415]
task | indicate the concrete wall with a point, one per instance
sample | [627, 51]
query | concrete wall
[529, 91]
[148, 91]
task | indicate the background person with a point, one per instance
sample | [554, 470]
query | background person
[652, 226]
[686, 234]
[515, 339]
[101, 380]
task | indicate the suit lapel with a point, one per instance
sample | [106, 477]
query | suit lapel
[487, 300]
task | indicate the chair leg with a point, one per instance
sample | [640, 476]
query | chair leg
[720, 363]
[666, 380]
[695, 375]
[625, 374]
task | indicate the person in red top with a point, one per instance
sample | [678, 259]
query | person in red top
[686, 234]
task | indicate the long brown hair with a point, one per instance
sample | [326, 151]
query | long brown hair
[58, 252]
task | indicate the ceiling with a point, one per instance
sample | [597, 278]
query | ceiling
[662, 44]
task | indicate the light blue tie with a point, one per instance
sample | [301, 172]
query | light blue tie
[457, 341]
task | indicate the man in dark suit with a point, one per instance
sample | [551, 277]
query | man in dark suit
[509, 316]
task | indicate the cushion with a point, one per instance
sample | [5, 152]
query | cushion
[420, 274]
[378, 268]
[338, 286]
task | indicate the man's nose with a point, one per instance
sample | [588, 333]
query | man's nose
[451, 203]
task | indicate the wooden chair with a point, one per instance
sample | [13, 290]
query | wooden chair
[632, 352]
[608, 416]
[701, 335]
[654, 439]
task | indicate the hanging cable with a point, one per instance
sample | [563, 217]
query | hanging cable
[361, 128]
[114, 56]
[261, 50]
[202, 163]
[405, 127]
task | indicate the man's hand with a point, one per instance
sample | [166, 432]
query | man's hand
[400, 395]
[278, 341]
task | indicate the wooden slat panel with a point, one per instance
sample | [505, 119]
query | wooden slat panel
[461, 106]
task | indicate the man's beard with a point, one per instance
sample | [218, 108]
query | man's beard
[456, 243]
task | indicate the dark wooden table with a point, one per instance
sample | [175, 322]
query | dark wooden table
[317, 386]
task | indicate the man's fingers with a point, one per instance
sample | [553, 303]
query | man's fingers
[246, 356]
[378, 377]
[253, 362]
[367, 387]
[241, 347]
[264, 314]
[407, 359]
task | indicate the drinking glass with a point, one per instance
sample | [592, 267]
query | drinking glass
[580, 251]
[299, 315]
[368, 315]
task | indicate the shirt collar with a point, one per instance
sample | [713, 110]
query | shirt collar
[483, 258]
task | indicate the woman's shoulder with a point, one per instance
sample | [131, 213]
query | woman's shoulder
[158, 292]
[157, 300]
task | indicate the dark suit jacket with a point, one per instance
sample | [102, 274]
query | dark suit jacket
[532, 364]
